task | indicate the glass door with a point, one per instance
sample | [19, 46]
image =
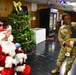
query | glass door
[51, 22]
[54, 20]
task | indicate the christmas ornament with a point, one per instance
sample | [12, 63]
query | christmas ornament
[30, 29]
[24, 21]
[26, 38]
[14, 22]
[17, 6]
[64, 6]
[20, 30]
[17, 45]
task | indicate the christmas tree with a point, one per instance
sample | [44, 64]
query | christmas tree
[21, 28]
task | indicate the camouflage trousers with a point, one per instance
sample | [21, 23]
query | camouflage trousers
[69, 60]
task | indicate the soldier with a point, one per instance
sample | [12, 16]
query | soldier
[63, 35]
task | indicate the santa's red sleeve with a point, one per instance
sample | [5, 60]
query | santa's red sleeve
[20, 51]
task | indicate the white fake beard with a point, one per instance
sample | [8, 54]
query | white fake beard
[8, 48]
[10, 38]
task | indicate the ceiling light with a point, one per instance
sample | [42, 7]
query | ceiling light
[67, 2]
[74, 9]
[72, 3]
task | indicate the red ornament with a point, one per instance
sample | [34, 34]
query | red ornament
[20, 30]
[24, 21]
[1, 29]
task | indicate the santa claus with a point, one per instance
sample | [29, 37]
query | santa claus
[7, 51]
[12, 58]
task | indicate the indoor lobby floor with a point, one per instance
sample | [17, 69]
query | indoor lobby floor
[44, 58]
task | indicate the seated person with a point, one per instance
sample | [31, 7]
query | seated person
[11, 51]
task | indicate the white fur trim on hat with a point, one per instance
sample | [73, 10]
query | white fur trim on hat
[25, 57]
[9, 28]
[15, 62]
[20, 68]
[20, 56]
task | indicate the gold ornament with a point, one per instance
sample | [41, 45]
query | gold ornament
[17, 6]
[26, 38]
[14, 22]
[30, 29]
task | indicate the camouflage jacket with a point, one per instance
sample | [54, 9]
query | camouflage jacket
[65, 33]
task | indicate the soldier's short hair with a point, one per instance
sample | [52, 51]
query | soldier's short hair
[65, 14]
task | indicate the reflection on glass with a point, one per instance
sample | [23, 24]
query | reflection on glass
[52, 47]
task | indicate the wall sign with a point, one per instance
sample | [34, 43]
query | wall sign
[33, 7]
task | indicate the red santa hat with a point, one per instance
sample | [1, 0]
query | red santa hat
[7, 28]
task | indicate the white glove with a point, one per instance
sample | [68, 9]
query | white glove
[8, 62]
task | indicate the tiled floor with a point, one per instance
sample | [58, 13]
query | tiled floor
[43, 60]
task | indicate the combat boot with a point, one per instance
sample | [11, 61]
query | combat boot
[56, 70]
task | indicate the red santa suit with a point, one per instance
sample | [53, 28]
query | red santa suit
[6, 60]
[12, 59]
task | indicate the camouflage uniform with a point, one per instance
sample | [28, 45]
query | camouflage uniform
[63, 35]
